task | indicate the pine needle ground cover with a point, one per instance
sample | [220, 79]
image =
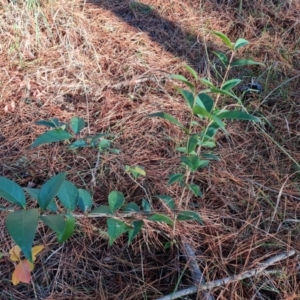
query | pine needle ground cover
[109, 62]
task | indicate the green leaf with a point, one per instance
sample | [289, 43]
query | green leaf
[136, 171]
[240, 43]
[189, 215]
[132, 233]
[166, 117]
[224, 92]
[167, 200]
[95, 139]
[229, 84]
[192, 143]
[192, 72]
[21, 225]
[209, 156]
[79, 144]
[115, 200]
[104, 144]
[33, 193]
[203, 112]
[77, 124]
[181, 149]
[56, 223]
[68, 230]
[184, 80]
[222, 57]
[51, 136]
[146, 206]
[131, 207]
[84, 200]
[206, 82]
[224, 38]
[50, 189]
[161, 218]
[52, 206]
[243, 62]
[195, 189]
[115, 228]
[11, 191]
[53, 123]
[116, 151]
[207, 101]
[68, 195]
[175, 178]
[194, 162]
[188, 96]
[102, 209]
[237, 115]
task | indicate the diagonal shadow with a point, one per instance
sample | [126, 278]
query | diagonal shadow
[168, 34]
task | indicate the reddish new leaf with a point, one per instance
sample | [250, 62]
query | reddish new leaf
[22, 273]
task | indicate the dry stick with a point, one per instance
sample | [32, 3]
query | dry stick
[226, 280]
[196, 273]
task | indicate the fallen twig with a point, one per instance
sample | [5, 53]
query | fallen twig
[216, 283]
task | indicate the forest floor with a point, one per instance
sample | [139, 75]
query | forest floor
[109, 61]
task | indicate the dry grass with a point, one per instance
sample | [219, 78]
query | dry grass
[71, 58]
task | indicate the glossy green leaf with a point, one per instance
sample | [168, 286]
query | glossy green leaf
[206, 100]
[95, 139]
[52, 206]
[132, 233]
[85, 200]
[53, 123]
[79, 144]
[194, 162]
[161, 218]
[203, 112]
[12, 192]
[206, 82]
[68, 229]
[166, 117]
[77, 124]
[115, 228]
[33, 193]
[115, 200]
[195, 189]
[104, 144]
[146, 206]
[192, 143]
[222, 57]
[131, 207]
[192, 72]
[51, 136]
[175, 178]
[229, 84]
[102, 209]
[188, 96]
[224, 38]
[244, 62]
[167, 200]
[237, 115]
[181, 149]
[240, 43]
[188, 216]
[56, 223]
[50, 189]
[68, 195]
[21, 225]
[224, 92]
[184, 80]
[209, 156]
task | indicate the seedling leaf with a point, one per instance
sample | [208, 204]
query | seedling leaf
[189, 215]
[51, 136]
[50, 189]
[84, 200]
[68, 195]
[167, 200]
[115, 200]
[77, 124]
[21, 225]
[11, 191]
[161, 218]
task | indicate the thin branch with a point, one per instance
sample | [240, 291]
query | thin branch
[226, 280]
[196, 273]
